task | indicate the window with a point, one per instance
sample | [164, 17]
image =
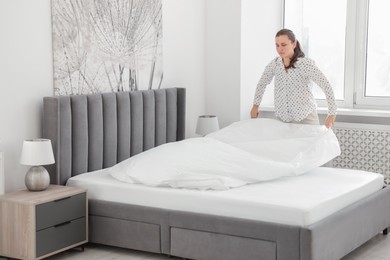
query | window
[348, 41]
[378, 52]
[322, 39]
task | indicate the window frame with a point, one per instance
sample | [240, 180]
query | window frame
[355, 60]
[361, 101]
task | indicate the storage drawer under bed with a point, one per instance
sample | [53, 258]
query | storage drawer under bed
[206, 245]
[125, 233]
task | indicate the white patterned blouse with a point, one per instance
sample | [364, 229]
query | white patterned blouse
[293, 96]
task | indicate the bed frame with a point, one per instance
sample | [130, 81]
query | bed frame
[91, 132]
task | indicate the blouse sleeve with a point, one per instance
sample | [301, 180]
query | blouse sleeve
[265, 79]
[316, 75]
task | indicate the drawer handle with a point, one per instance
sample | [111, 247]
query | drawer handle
[62, 199]
[62, 224]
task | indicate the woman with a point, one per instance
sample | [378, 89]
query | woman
[294, 100]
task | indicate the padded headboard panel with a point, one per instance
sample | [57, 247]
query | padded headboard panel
[92, 132]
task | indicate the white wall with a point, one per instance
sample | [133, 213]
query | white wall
[184, 37]
[26, 69]
[261, 19]
[239, 44]
[26, 76]
[223, 34]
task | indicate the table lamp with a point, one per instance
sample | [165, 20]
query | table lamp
[207, 124]
[37, 152]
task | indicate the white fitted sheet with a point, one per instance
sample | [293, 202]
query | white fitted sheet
[300, 200]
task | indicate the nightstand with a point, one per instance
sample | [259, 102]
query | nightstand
[34, 225]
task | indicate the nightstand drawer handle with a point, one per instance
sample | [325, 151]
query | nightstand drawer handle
[62, 224]
[62, 199]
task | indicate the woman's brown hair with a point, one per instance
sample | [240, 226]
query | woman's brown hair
[298, 53]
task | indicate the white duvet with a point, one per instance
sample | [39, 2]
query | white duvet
[245, 152]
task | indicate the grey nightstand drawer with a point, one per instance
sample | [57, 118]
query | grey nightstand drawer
[60, 236]
[59, 211]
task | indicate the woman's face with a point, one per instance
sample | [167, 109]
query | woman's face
[284, 46]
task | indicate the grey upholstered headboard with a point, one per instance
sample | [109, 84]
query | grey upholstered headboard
[92, 132]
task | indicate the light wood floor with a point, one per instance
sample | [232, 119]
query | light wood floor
[377, 248]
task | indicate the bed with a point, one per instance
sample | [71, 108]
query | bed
[90, 133]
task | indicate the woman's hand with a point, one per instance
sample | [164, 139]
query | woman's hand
[329, 121]
[255, 111]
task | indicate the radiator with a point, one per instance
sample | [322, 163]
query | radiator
[364, 147]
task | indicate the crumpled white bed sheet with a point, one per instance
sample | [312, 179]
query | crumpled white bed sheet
[245, 152]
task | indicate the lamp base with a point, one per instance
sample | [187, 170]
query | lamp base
[37, 179]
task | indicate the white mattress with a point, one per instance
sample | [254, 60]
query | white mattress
[300, 200]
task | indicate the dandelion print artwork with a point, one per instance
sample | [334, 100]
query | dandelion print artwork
[106, 45]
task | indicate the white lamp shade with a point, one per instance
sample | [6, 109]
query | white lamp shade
[207, 124]
[37, 152]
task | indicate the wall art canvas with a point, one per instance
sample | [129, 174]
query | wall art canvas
[106, 45]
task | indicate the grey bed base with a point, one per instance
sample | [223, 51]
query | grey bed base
[200, 236]
[91, 132]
